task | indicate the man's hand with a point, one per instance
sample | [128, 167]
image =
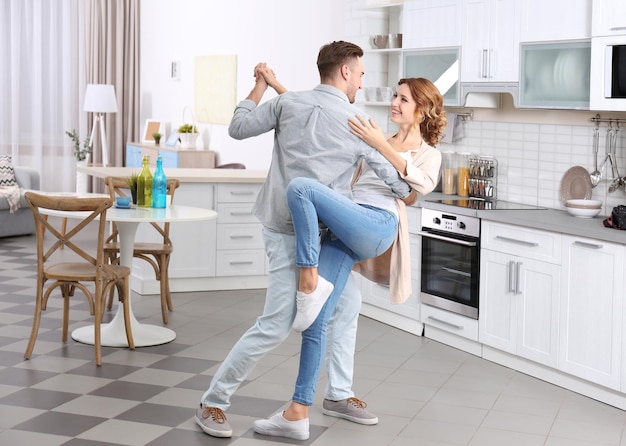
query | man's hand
[411, 198]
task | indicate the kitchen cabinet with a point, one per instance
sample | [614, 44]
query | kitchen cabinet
[441, 66]
[555, 20]
[490, 36]
[608, 18]
[520, 279]
[555, 75]
[172, 157]
[591, 315]
[240, 247]
[432, 24]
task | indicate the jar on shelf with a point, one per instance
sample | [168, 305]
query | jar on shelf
[463, 174]
[448, 176]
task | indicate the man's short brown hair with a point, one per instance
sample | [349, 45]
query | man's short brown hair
[335, 54]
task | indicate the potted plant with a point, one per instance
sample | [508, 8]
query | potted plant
[157, 138]
[187, 135]
[131, 181]
[80, 154]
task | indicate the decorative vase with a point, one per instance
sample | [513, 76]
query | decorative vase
[81, 178]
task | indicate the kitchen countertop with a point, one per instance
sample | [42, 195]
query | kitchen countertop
[554, 220]
[185, 175]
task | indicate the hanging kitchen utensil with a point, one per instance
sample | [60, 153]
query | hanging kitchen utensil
[616, 182]
[596, 175]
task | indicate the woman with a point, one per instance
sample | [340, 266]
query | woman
[417, 109]
[368, 224]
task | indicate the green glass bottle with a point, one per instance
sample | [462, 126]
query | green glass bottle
[144, 186]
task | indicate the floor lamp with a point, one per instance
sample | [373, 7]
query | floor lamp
[100, 99]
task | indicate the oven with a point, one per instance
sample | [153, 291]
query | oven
[450, 261]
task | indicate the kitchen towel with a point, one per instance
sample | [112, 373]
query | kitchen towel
[454, 130]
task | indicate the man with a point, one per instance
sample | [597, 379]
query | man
[312, 139]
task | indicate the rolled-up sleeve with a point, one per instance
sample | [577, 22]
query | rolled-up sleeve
[423, 173]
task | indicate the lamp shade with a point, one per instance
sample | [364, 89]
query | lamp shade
[100, 98]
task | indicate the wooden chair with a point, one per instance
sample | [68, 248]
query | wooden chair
[67, 271]
[156, 254]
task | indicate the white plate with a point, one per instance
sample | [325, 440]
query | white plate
[576, 184]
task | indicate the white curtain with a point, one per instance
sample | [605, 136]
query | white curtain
[50, 50]
[41, 86]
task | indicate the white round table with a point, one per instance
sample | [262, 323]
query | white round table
[113, 334]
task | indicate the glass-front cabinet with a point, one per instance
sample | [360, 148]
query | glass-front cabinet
[555, 75]
[440, 66]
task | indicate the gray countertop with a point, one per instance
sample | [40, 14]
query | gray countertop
[554, 220]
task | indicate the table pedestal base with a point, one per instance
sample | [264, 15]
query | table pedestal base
[113, 334]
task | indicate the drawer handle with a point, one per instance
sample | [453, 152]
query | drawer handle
[588, 245]
[240, 214]
[241, 236]
[450, 324]
[618, 28]
[242, 193]
[519, 242]
[243, 262]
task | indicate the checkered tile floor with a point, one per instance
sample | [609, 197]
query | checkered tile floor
[423, 392]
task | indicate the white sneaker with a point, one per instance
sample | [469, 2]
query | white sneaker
[278, 426]
[309, 305]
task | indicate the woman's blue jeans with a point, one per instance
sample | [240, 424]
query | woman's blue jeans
[368, 232]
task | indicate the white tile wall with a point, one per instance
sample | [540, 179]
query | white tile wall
[532, 159]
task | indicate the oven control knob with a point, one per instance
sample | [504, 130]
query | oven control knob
[461, 225]
[436, 221]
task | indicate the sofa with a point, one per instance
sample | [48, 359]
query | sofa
[20, 222]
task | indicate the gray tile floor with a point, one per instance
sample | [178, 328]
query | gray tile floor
[423, 392]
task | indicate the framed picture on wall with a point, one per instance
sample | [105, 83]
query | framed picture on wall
[152, 126]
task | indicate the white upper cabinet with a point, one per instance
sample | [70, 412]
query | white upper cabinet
[431, 24]
[555, 20]
[608, 18]
[490, 36]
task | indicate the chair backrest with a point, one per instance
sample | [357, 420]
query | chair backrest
[94, 209]
[118, 186]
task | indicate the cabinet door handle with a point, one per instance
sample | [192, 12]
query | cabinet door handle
[249, 262]
[235, 193]
[240, 214]
[485, 64]
[618, 28]
[588, 245]
[235, 237]
[514, 240]
[518, 278]
[449, 324]
[511, 276]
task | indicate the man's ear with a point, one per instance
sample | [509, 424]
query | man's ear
[345, 72]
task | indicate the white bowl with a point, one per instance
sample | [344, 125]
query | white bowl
[584, 204]
[583, 213]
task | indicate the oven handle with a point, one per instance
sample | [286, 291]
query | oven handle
[447, 239]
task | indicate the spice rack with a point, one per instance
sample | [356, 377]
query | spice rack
[483, 177]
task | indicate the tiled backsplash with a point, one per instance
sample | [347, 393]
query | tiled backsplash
[532, 159]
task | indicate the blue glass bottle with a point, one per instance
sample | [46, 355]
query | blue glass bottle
[159, 186]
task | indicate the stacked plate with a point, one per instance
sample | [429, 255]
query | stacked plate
[583, 208]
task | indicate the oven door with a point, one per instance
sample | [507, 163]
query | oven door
[450, 272]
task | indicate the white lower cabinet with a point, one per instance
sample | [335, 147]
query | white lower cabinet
[519, 295]
[592, 310]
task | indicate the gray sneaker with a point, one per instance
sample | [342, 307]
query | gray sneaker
[213, 421]
[352, 409]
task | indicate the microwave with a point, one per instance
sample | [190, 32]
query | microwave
[608, 73]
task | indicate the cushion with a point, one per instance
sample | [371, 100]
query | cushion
[7, 174]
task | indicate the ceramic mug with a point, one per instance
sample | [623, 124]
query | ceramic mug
[380, 41]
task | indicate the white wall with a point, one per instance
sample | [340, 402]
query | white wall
[287, 34]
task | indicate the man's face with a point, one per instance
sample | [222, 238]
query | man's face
[354, 79]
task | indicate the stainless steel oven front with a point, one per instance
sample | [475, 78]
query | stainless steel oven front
[450, 261]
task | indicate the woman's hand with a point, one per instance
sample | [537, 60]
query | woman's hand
[368, 131]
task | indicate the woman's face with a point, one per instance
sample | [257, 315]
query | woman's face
[403, 107]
